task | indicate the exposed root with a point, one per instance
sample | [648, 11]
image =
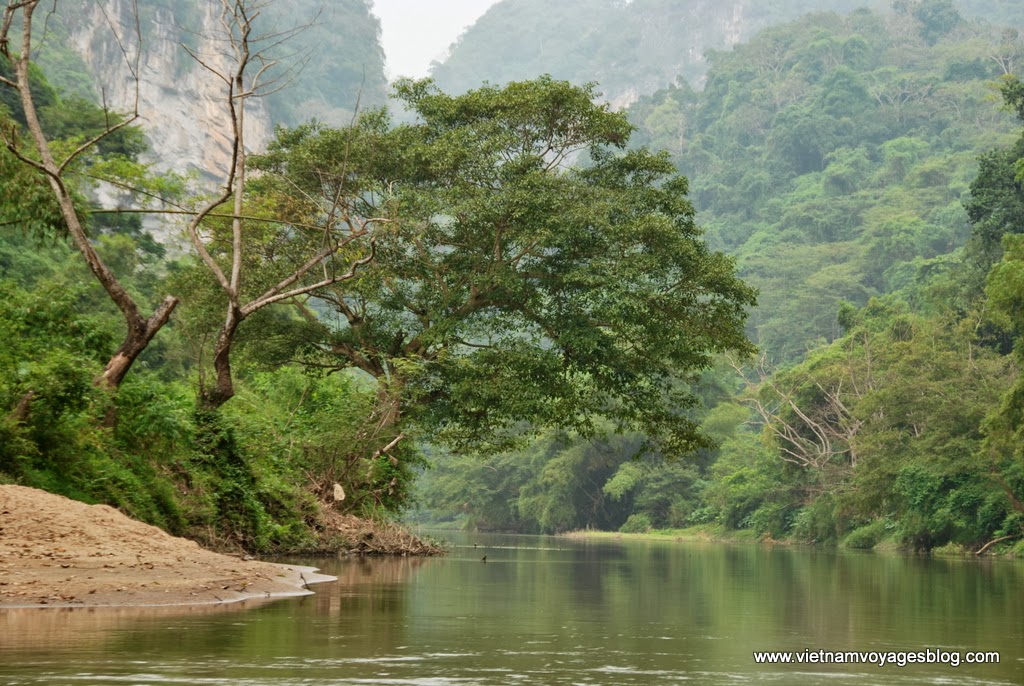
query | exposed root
[370, 537]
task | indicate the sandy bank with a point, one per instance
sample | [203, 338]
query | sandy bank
[56, 552]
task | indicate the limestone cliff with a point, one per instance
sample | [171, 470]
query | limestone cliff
[182, 104]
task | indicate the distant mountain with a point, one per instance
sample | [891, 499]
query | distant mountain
[832, 155]
[632, 47]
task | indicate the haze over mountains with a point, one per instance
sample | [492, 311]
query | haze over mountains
[630, 49]
[857, 164]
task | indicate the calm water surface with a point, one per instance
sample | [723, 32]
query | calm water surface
[551, 611]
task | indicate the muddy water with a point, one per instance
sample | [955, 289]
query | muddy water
[551, 611]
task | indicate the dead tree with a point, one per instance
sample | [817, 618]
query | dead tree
[247, 70]
[807, 436]
[19, 14]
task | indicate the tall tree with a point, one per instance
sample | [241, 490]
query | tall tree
[53, 162]
[515, 287]
[312, 254]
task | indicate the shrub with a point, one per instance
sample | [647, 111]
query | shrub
[867, 536]
[638, 523]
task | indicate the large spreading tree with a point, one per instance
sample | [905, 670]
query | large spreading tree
[536, 272]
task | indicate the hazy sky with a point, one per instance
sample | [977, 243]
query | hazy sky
[416, 32]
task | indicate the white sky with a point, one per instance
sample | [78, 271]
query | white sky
[416, 32]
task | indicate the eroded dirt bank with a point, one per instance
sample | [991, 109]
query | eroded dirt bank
[60, 552]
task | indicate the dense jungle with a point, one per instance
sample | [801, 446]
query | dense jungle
[773, 291]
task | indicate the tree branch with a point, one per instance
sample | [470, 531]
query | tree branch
[270, 299]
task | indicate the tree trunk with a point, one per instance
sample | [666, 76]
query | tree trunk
[21, 412]
[140, 329]
[224, 388]
[388, 405]
[140, 333]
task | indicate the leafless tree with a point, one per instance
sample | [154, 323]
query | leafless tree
[897, 92]
[247, 70]
[17, 48]
[807, 436]
[1007, 50]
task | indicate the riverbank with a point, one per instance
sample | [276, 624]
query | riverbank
[712, 533]
[704, 532]
[355, 536]
[60, 552]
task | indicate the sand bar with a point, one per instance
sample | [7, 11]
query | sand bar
[56, 552]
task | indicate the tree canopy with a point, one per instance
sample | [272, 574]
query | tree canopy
[830, 156]
[511, 287]
[868, 183]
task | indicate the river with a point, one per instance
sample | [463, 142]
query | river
[556, 611]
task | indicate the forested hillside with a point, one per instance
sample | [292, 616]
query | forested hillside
[862, 170]
[633, 48]
[832, 155]
[629, 49]
[546, 300]
[347, 296]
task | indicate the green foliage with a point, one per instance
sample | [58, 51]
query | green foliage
[747, 487]
[512, 290]
[937, 17]
[44, 94]
[537, 276]
[242, 479]
[830, 156]
[995, 205]
[27, 201]
[900, 400]
[819, 521]
[49, 434]
[638, 523]
[629, 47]
[640, 46]
[1005, 425]
[867, 536]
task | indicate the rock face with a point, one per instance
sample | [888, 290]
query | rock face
[182, 104]
[326, 58]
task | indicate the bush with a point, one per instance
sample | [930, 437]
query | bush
[638, 523]
[867, 536]
[771, 518]
[817, 523]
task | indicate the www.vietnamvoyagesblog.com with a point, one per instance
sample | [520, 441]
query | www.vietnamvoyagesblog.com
[892, 658]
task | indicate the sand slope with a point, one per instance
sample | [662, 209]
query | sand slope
[60, 552]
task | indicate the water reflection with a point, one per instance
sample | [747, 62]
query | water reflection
[553, 611]
[53, 630]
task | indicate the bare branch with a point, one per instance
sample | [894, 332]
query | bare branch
[193, 233]
[832, 429]
[246, 69]
[91, 143]
[270, 299]
[140, 330]
[310, 263]
[10, 143]
[192, 213]
[389, 447]
[204, 64]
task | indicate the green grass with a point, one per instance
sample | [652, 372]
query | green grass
[701, 532]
